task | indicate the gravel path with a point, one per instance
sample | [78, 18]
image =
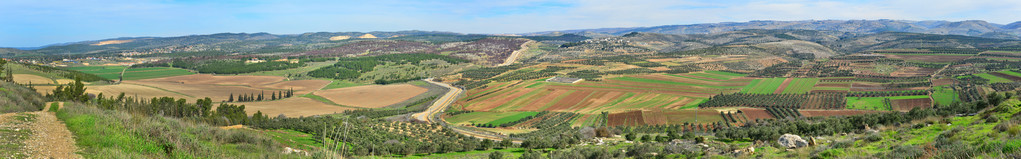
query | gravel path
[35, 135]
[50, 138]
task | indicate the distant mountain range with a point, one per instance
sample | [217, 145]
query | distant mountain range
[976, 28]
[264, 43]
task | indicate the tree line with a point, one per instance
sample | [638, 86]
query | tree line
[251, 97]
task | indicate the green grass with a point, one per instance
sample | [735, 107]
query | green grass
[319, 98]
[800, 85]
[765, 86]
[113, 134]
[993, 79]
[944, 96]
[341, 84]
[295, 139]
[1012, 73]
[512, 118]
[875, 103]
[114, 72]
[481, 117]
[751, 85]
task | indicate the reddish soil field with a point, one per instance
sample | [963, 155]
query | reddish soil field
[783, 86]
[941, 82]
[905, 105]
[814, 113]
[928, 58]
[569, 101]
[1012, 78]
[756, 113]
[631, 118]
[538, 104]
[493, 102]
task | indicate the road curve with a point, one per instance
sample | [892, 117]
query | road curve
[432, 113]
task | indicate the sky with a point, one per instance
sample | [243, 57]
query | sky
[30, 23]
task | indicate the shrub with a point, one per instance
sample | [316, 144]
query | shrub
[905, 151]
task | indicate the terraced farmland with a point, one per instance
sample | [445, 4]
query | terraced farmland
[618, 94]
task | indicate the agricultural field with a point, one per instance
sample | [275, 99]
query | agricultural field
[617, 94]
[487, 117]
[764, 86]
[931, 58]
[663, 117]
[114, 72]
[33, 79]
[899, 103]
[943, 95]
[993, 78]
[372, 96]
[798, 85]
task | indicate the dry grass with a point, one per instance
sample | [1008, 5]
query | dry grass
[372, 96]
[34, 79]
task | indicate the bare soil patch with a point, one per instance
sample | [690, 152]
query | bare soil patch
[372, 96]
[293, 107]
[756, 113]
[905, 105]
[941, 82]
[786, 82]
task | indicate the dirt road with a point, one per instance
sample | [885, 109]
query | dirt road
[36, 135]
[432, 113]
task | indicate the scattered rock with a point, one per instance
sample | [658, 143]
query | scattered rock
[792, 141]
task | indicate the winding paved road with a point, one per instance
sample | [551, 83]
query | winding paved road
[432, 113]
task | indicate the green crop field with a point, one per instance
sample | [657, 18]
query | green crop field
[1012, 73]
[512, 118]
[993, 79]
[944, 96]
[875, 103]
[486, 117]
[114, 72]
[800, 85]
[763, 86]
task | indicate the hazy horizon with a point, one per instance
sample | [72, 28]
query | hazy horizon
[33, 23]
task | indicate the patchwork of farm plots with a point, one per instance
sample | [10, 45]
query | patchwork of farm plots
[899, 103]
[114, 72]
[637, 92]
[1001, 76]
